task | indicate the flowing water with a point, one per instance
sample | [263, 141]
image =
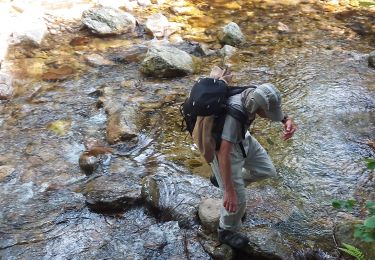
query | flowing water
[320, 66]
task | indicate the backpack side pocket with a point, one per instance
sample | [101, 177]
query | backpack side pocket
[202, 137]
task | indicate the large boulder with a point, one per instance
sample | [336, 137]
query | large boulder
[108, 21]
[232, 35]
[163, 61]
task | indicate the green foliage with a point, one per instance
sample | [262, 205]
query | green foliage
[370, 163]
[366, 231]
[370, 206]
[353, 251]
[346, 204]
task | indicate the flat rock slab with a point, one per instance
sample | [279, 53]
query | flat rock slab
[112, 193]
[177, 196]
[108, 21]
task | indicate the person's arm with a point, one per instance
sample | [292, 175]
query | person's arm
[289, 127]
[230, 195]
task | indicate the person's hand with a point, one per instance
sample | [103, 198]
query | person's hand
[230, 200]
[289, 129]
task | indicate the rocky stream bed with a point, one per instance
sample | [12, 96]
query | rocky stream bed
[93, 162]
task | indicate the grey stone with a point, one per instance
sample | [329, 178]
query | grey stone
[106, 21]
[232, 35]
[222, 252]
[209, 214]
[227, 51]
[157, 25]
[126, 55]
[162, 61]
[121, 125]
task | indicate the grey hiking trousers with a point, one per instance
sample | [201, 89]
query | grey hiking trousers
[256, 166]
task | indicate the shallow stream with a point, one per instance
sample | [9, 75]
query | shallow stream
[320, 66]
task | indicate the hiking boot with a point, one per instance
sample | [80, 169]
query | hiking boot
[214, 181]
[233, 239]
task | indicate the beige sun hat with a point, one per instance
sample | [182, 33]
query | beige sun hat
[268, 97]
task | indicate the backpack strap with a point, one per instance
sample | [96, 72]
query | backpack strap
[243, 118]
[234, 90]
[242, 149]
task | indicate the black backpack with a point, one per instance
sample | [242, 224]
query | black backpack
[209, 97]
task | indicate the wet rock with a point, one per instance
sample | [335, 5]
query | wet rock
[195, 48]
[6, 87]
[30, 30]
[271, 224]
[232, 35]
[113, 193]
[37, 215]
[167, 62]
[209, 214]
[215, 249]
[108, 21]
[157, 25]
[204, 50]
[268, 244]
[88, 163]
[227, 51]
[309, 253]
[5, 171]
[371, 59]
[169, 241]
[58, 74]
[96, 60]
[121, 126]
[133, 54]
[176, 196]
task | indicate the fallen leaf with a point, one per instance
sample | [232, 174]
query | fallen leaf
[59, 127]
[282, 27]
